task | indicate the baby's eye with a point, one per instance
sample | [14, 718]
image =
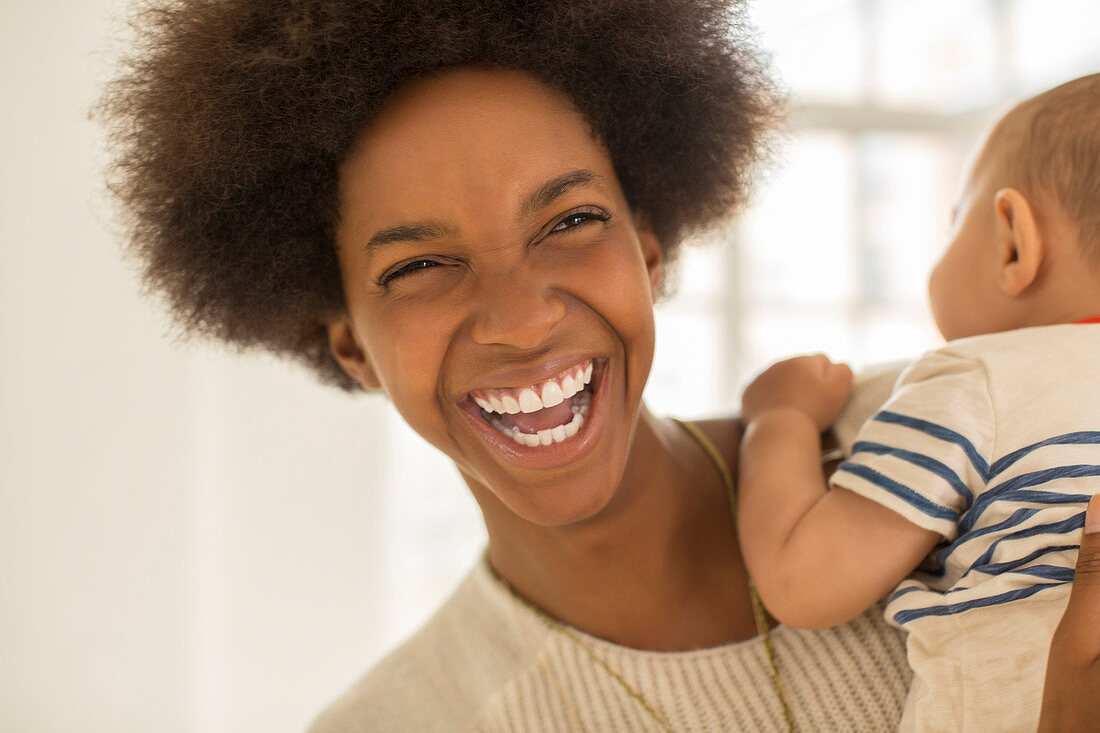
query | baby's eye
[406, 268]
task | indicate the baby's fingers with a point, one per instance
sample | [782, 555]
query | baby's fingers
[837, 379]
[841, 375]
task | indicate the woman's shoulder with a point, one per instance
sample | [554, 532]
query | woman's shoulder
[724, 433]
[441, 677]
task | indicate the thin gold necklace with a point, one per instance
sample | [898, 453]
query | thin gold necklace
[757, 605]
[759, 617]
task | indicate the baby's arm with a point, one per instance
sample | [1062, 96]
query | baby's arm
[818, 557]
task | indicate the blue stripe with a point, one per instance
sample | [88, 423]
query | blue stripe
[995, 568]
[1010, 490]
[920, 460]
[940, 432]
[1034, 478]
[1025, 496]
[1084, 437]
[1066, 526]
[1018, 517]
[906, 591]
[1048, 572]
[904, 617]
[904, 493]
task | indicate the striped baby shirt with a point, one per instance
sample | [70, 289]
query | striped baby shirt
[994, 443]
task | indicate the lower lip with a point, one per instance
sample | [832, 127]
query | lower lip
[555, 454]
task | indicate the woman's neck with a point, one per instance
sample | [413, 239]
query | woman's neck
[657, 568]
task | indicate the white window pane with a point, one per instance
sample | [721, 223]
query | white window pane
[775, 334]
[689, 373]
[817, 46]
[937, 56]
[1055, 41]
[887, 335]
[908, 189]
[700, 272]
[799, 240]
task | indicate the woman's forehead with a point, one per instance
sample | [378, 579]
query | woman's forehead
[465, 137]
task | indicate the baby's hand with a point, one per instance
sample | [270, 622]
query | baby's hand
[812, 384]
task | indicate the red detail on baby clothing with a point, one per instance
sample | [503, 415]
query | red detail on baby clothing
[1095, 319]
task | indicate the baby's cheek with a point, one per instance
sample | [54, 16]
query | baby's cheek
[937, 293]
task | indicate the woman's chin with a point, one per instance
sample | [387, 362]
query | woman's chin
[560, 504]
[569, 508]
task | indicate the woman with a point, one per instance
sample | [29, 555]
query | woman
[470, 207]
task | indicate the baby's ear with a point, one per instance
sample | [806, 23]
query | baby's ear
[1020, 247]
[351, 356]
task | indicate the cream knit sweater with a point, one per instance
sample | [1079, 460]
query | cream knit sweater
[485, 662]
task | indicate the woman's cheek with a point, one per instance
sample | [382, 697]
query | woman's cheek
[406, 347]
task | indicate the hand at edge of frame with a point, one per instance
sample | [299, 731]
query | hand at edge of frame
[1071, 693]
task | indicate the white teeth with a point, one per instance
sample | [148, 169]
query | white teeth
[529, 401]
[552, 394]
[547, 436]
[532, 399]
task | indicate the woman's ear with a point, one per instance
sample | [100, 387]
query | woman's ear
[652, 252]
[1020, 248]
[350, 355]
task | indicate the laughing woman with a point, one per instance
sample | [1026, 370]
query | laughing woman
[469, 208]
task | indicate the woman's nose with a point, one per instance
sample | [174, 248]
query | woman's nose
[515, 311]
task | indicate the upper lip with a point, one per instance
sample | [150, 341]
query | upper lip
[531, 375]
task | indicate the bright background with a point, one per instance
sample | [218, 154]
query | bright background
[192, 540]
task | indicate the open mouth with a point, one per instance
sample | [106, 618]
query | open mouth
[543, 414]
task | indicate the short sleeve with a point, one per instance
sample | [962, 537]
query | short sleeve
[925, 453]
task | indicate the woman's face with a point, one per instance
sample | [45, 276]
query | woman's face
[491, 267]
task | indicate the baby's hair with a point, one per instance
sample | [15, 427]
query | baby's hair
[1054, 148]
[231, 118]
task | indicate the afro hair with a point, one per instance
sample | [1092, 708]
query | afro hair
[230, 119]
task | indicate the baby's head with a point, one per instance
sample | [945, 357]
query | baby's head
[1025, 235]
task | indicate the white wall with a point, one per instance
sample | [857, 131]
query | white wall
[94, 619]
[189, 541]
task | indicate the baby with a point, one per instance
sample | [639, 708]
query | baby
[977, 470]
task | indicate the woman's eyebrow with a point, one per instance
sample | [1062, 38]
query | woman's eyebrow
[545, 194]
[540, 198]
[421, 231]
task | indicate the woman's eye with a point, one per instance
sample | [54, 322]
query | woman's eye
[405, 269]
[577, 218]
